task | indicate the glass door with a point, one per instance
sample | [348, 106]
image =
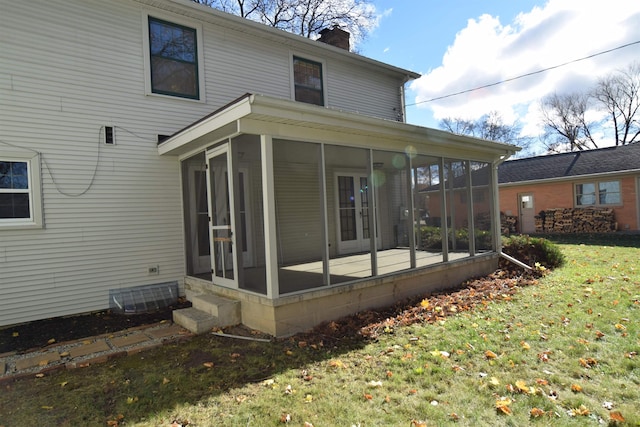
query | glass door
[353, 213]
[222, 222]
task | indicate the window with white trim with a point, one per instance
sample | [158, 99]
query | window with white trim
[20, 192]
[599, 193]
[173, 59]
[307, 81]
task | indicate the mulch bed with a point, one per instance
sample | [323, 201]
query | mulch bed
[40, 333]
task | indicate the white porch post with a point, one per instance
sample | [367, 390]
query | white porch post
[269, 207]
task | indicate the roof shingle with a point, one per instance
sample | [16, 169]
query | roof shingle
[576, 163]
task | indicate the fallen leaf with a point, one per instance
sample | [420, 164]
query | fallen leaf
[502, 405]
[525, 345]
[417, 423]
[336, 364]
[599, 335]
[48, 408]
[522, 387]
[308, 398]
[39, 375]
[536, 413]
[541, 381]
[208, 364]
[16, 334]
[51, 341]
[494, 381]
[131, 400]
[581, 411]
[576, 388]
[64, 383]
[307, 424]
[367, 396]
[616, 416]
[373, 383]
[454, 416]
[285, 418]
[620, 327]
[166, 380]
[490, 354]
[424, 303]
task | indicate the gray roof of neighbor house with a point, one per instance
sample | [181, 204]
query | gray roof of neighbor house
[573, 164]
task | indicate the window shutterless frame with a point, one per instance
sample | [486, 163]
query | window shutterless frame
[308, 81]
[20, 192]
[173, 59]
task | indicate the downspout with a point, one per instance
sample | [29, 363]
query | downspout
[497, 226]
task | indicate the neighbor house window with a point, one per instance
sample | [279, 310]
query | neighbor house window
[173, 59]
[598, 193]
[19, 192]
[307, 81]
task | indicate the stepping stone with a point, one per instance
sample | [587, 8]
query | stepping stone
[128, 340]
[42, 359]
[94, 347]
[166, 332]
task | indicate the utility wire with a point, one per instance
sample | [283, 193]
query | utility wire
[523, 75]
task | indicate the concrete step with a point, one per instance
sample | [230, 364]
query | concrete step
[197, 321]
[225, 309]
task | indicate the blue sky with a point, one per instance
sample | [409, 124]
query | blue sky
[462, 44]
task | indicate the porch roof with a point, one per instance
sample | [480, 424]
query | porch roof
[286, 119]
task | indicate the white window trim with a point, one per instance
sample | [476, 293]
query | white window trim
[597, 204]
[35, 192]
[325, 88]
[147, 55]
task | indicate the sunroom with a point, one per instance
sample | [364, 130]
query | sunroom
[304, 214]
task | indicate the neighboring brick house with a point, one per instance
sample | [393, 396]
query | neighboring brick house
[602, 178]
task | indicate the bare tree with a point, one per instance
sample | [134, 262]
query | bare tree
[490, 126]
[305, 17]
[618, 93]
[565, 123]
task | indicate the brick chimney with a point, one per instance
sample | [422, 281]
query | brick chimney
[335, 37]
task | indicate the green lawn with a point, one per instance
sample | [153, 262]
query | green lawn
[561, 352]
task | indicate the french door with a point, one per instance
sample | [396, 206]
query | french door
[354, 213]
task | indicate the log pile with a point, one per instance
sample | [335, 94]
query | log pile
[508, 224]
[578, 220]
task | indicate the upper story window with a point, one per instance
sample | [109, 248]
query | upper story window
[19, 192]
[598, 193]
[173, 59]
[307, 81]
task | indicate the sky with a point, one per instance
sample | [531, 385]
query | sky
[459, 45]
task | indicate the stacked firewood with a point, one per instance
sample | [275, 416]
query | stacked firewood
[508, 224]
[578, 220]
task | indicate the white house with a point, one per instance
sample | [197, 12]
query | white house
[149, 142]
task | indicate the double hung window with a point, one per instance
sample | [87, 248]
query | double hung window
[307, 81]
[173, 59]
[19, 192]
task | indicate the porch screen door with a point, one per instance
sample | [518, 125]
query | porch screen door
[222, 223]
[353, 213]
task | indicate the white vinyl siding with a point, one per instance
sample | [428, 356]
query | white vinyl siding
[70, 67]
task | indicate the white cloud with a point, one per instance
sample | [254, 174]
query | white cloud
[487, 51]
